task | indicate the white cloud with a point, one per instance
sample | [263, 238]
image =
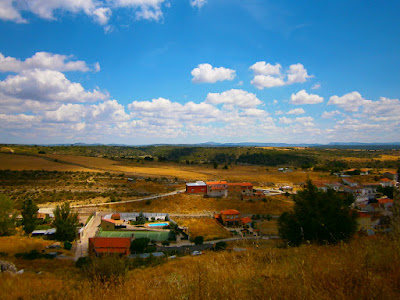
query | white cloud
[285, 120]
[253, 112]
[197, 3]
[266, 81]
[144, 9]
[10, 13]
[45, 8]
[302, 97]
[267, 75]
[67, 113]
[349, 102]
[330, 114]
[97, 67]
[235, 97]
[102, 15]
[42, 60]
[297, 74]
[263, 68]
[209, 74]
[316, 86]
[101, 11]
[384, 109]
[47, 85]
[275, 101]
[18, 121]
[279, 112]
[296, 111]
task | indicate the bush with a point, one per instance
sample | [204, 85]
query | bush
[67, 245]
[165, 243]
[110, 269]
[198, 240]
[220, 246]
[82, 262]
[139, 245]
[321, 217]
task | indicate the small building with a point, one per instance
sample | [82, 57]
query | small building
[217, 188]
[229, 218]
[106, 245]
[110, 224]
[349, 182]
[387, 182]
[198, 187]
[391, 175]
[237, 189]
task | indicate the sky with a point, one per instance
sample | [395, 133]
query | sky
[191, 71]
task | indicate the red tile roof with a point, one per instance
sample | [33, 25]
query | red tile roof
[230, 212]
[246, 220]
[110, 242]
[215, 182]
[385, 179]
[385, 200]
[241, 183]
[392, 172]
[110, 250]
[109, 220]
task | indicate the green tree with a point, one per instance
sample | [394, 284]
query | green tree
[387, 191]
[220, 246]
[318, 216]
[198, 240]
[29, 215]
[141, 219]
[65, 222]
[7, 222]
[139, 245]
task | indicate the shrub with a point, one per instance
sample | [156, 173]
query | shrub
[67, 245]
[165, 243]
[220, 246]
[109, 268]
[198, 240]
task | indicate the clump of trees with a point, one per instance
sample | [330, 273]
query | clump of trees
[65, 222]
[7, 217]
[29, 215]
[318, 217]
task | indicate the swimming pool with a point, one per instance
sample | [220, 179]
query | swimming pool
[158, 224]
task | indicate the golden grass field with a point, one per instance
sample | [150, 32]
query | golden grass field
[268, 227]
[258, 174]
[19, 162]
[197, 204]
[366, 268]
[205, 227]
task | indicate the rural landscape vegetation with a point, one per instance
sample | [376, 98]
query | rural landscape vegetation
[199, 149]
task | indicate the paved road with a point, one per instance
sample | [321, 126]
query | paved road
[82, 246]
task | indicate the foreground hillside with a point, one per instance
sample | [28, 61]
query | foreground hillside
[366, 268]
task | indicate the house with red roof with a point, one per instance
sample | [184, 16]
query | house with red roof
[238, 189]
[108, 245]
[391, 175]
[229, 218]
[349, 182]
[198, 187]
[387, 182]
[217, 188]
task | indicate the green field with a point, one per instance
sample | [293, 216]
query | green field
[152, 235]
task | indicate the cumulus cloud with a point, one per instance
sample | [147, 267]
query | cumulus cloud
[100, 11]
[330, 114]
[316, 86]
[235, 97]
[197, 3]
[266, 81]
[43, 60]
[302, 97]
[267, 75]
[263, 68]
[47, 86]
[384, 109]
[206, 73]
[9, 12]
[296, 111]
[349, 102]
[102, 15]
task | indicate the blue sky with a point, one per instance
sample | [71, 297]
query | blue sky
[187, 71]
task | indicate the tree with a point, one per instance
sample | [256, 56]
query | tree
[198, 240]
[139, 245]
[29, 215]
[141, 219]
[7, 222]
[318, 216]
[387, 191]
[65, 222]
[220, 246]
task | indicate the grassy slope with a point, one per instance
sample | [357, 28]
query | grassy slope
[364, 268]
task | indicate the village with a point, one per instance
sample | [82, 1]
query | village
[116, 232]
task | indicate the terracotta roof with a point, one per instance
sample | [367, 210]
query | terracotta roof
[109, 220]
[110, 242]
[215, 182]
[391, 172]
[230, 212]
[385, 179]
[240, 183]
[246, 220]
[108, 250]
[385, 200]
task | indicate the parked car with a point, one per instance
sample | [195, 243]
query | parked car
[196, 253]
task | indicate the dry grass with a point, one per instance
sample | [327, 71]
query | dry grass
[20, 162]
[364, 269]
[268, 227]
[206, 227]
[196, 204]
